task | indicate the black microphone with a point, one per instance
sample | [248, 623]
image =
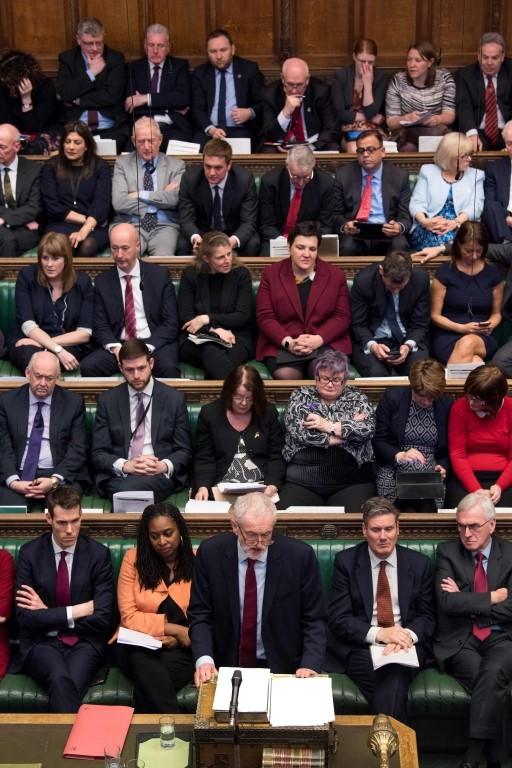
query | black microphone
[141, 284]
[236, 682]
[458, 173]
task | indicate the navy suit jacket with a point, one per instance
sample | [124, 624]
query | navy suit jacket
[351, 600]
[174, 91]
[471, 94]
[68, 438]
[497, 193]
[159, 299]
[342, 91]
[28, 195]
[91, 579]
[293, 612]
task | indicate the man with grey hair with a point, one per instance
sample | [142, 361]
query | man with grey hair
[298, 192]
[484, 94]
[473, 641]
[257, 598]
[497, 213]
[145, 190]
[158, 86]
[91, 83]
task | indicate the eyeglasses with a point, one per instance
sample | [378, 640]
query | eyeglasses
[42, 377]
[474, 527]
[242, 399]
[255, 538]
[367, 150]
[336, 380]
[297, 179]
[475, 399]
[295, 86]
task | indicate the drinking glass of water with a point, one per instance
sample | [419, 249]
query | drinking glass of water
[167, 733]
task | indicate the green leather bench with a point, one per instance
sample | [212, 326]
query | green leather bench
[437, 705]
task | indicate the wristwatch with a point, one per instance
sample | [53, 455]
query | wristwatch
[58, 349]
[55, 482]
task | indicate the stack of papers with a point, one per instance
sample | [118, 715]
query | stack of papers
[301, 701]
[253, 698]
[240, 487]
[407, 658]
[141, 639]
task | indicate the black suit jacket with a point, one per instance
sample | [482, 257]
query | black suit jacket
[316, 203]
[159, 299]
[368, 303]
[471, 94]
[351, 600]
[216, 443]
[174, 92]
[342, 92]
[68, 439]
[318, 114]
[497, 193]
[28, 196]
[391, 419]
[456, 611]
[293, 612]
[248, 89]
[396, 194]
[91, 579]
[105, 93]
[239, 204]
[502, 254]
[170, 435]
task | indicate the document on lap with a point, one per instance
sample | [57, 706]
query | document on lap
[408, 658]
[141, 639]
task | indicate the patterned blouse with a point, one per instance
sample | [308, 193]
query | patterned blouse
[402, 97]
[357, 434]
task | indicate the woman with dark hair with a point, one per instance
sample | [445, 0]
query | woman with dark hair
[466, 300]
[480, 439]
[238, 437]
[302, 308]
[422, 98]
[358, 92]
[28, 101]
[411, 432]
[215, 297]
[54, 306]
[153, 593]
[328, 440]
[7, 579]
[76, 188]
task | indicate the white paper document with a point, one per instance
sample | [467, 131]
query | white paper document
[297, 701]
[422, 119]
[207, 506]
[177, 147]
[240, 487]
[132, 637]
[408, 658]
[254, 690]
[279, 247]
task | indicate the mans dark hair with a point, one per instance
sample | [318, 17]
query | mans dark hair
[218, 148]
[378, 505]
[305, 229]
[132, 349]
[151, 568]
[249, 377]
[66, 497]
[371, 133]
[397, 266]
[219, 32]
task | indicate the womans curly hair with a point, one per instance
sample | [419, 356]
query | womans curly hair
[15, 66]
[150, 567]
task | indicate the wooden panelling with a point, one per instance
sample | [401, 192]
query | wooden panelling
[321, 32]
[188, 30]
[39, 27]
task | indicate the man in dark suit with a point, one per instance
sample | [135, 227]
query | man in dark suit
[390, 316]
[311, 199]
[381, 594]
[298, 108]
[64, 601]
[370, 191]
[134, 299]
[502, 254]
[497, 213]
[473, 640]
[141, 438]
[484, 94]
[91, 83]
[226, 93]
[253, 604]
[218, 196]
[158, 86]
[20, 197]
[42, 434]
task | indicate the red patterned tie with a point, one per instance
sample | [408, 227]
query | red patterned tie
[480, 585]
[247, 650]
[365, 208]
[491, 129]
[295, 132]
[63, 596]
[130, 326]
[293, 211]
[385, 616]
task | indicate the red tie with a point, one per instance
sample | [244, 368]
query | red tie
[480, 585]
[130, 327]
[295, 132]
[92, 119]
[365, 208]
[63, 595]
[385, 616]
[247, 651]
[491, 129]
[293, 211]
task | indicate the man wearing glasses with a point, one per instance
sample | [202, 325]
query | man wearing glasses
[371, 192]
[257, 599]
[474, 631]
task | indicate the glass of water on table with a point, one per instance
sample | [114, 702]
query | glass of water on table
[167, 733]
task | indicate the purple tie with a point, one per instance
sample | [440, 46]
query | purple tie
[29, 470]
[247, 650]
[138, 436]
[63, 595]
[153, 85]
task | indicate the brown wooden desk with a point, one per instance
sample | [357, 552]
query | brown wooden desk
[41, 738]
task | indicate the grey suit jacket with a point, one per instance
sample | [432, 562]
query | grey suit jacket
[128, 177]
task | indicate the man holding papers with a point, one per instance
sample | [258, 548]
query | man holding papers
[381, 596]
[253, 604]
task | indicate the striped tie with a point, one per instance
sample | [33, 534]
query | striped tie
[491, 129]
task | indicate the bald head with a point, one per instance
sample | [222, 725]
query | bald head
[9, 143]
[42, 373]
[124, 246]
[295, 77]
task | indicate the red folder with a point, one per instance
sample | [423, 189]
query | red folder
[95, 726]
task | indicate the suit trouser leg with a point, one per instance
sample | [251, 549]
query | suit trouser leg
[63, 671]
[99, 363]
[14, 242]
[163, 240]
[385, 689]
[368, 365]
[503, 359]
[160, 485]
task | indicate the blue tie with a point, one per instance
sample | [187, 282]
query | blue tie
[29, 470]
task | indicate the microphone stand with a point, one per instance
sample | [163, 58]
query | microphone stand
[236, 740]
